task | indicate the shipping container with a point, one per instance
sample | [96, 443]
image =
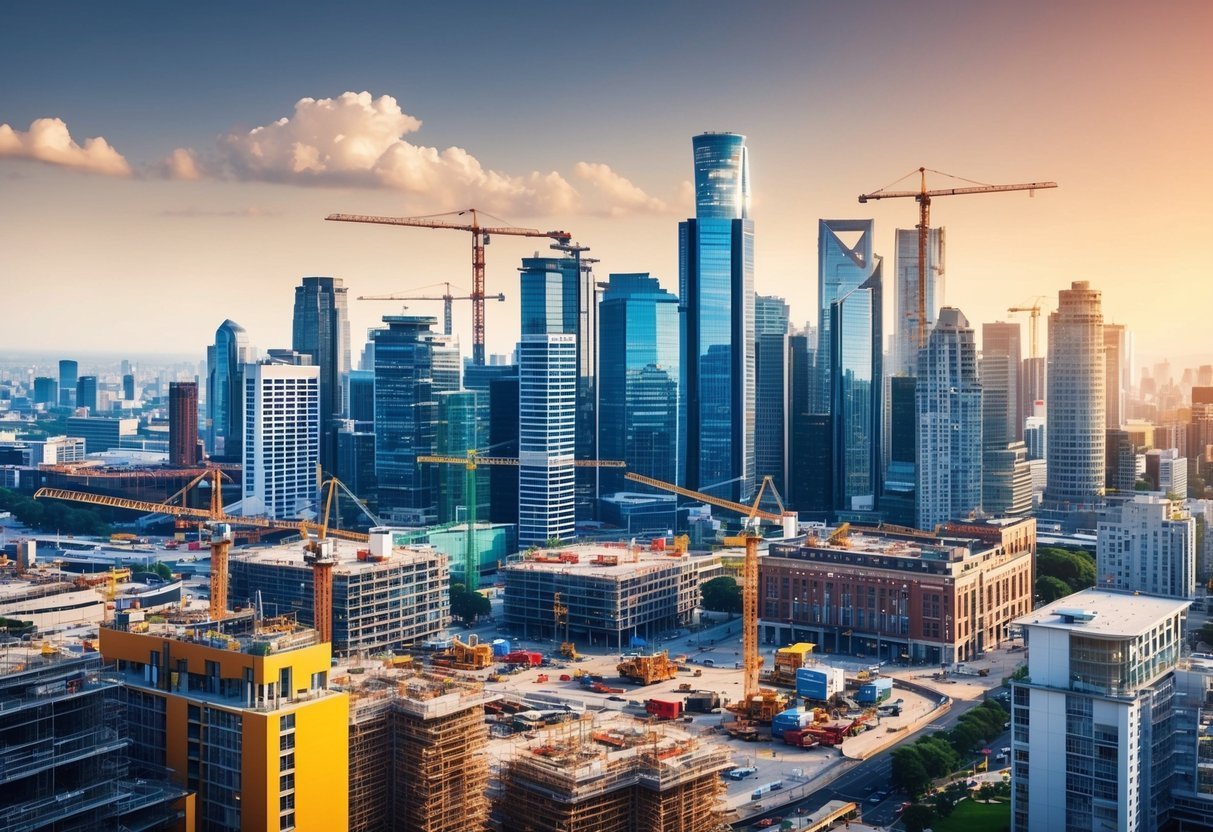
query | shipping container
[664, 708]
[875, 692]
[821, 683]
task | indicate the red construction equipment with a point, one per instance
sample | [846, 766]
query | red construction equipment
[480, 238]
[923, 197]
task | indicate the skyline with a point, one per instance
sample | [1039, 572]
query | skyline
[575, 145]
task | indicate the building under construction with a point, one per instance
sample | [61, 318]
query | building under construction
[418, 761]
[616, 778]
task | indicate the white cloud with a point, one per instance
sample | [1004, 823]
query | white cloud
[182, 163]
[355, 139]
[48, 140]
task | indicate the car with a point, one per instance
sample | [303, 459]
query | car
[877, 797]
[614, 698]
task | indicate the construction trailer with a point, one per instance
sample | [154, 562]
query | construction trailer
[614, 780]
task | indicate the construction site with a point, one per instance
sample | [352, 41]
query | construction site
[615, 777]
[418, 759]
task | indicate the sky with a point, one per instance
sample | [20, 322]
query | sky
[166, 166]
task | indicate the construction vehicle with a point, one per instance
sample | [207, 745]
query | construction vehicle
[569, 650]
[480, 238]
[602, 687]
[470, 655]
[646, 670]
[523, 657]
[787, 661]
[447, 302]
[924, 197]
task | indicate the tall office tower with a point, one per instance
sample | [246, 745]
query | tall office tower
[1035, 436]
[86, 393]
[1101, 668]
[771, 390]
[800, 380]
[716, 288]
[404, 418]
[281, 439]
[447, 364]
[898, 502]
[948, 404]
[1121, 468]
[183, 423]
[1204, 375]
[321, 329]
[1035, 377]
[1077, 410]
[547, 381]
[638, 351]
[68, 373]
[46, 391]
[462, 426]
[225, 362]
[356, 458]
[503, 439]
[558, 298]
[849, 357]
[906, 328]
[1002, 419]
[360, 395]
[128, 387]
[1115, 389]
[125, 367]
[1148, 545]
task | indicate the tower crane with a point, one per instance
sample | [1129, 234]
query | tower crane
[480, 238]
[221, 537]
[471, 565]
[1033, 324]
[447, 302]
[759, 705]
[924, 197]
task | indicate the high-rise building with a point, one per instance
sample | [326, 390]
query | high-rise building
[447, 365]
[68, 373]
[802, 348]
[86, 393]
[128, 387]
[547, 381]
[462, 427]
[948, 398]
[1076, 406]
[321, 329]
[771, 389]
[46, 390]
[1101, 669]
[503, 439]
[1006, 480]
[405, 418]
[906, 331]
[1121, 468]
[356, 458]
[1148, 545]
[183, 423]
[638, 395]
[225, 362]
[898, 503]
[844, 262]
[1002, 403]
[1115, 375]
[1167, 471]
[360, 395]
[281, 439]
[716, 287]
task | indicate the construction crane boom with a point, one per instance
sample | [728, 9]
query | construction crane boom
[719, 502]
[447, 302]
[473, 460]
[1033, 325]
[480, 238]
[924, 197]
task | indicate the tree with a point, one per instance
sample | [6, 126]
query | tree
[467, 606]
[1049, 589]
[917, 817]
[162, 569]
[964, 738]
[908, 770]
[937, 756]
[722, 595]
[1073, 566]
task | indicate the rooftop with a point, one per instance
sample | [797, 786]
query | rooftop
[608, 560]
[1101, 612]
[352, 557]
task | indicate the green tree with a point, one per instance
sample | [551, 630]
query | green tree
[1073, 566]
[943, 804]
[918, 817]
[908, 770]
[1049, 589]
[964, 738]
[466, 606]
[937, 756]
[722, 595]
[162, 569]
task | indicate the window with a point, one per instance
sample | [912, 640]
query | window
[287, 762]
[286, 741]
[287, 722]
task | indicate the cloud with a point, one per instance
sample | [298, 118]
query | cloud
[181, 164]
[48, 140]
[201, 212]
[357, 140]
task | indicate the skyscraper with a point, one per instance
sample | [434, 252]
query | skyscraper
[183, 423]
[128, 387]
[225, 362]
[86, 393]
[771, 389]
[949, 422]
[1115, 375]
[1001, 365]
[462, 426]
[321, 329]
[46, 391]
[802, 349]
[905, 329]
[716, 286]
[360, 395]
[281, 439]
[844, 262]
[68, 372]
[638, 396]
[897, 500]
[1076, 406]
[405, 418]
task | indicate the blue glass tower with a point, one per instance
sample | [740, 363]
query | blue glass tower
[638, 399]
[68, 374]
[716, 284]
[225, 361]
[321, 329]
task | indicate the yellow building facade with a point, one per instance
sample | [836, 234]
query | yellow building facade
[248, 723]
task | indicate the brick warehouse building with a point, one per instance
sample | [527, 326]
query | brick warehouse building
[900, 594]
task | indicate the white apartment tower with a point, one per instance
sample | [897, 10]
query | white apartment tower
[1148, 545]
[1076, 411]
[1092, 721]
[547, 437]
[948, 411]
[281, 439]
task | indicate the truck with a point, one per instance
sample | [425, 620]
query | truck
[875, 692]
[741, 772]
[664, 708]
[766, 788]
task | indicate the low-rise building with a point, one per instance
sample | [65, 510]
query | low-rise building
[901, 594]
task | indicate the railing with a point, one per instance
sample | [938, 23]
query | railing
[42, 754]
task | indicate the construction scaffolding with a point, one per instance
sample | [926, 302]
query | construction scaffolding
[614, 780]
[418, 758]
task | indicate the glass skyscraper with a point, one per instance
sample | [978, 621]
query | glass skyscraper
[405, 418]
[905, 328]
[462, 426]
[771, 386]
[225, 361]
[716, 285]
[68, 372]
[321, 329]
[638, 403]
